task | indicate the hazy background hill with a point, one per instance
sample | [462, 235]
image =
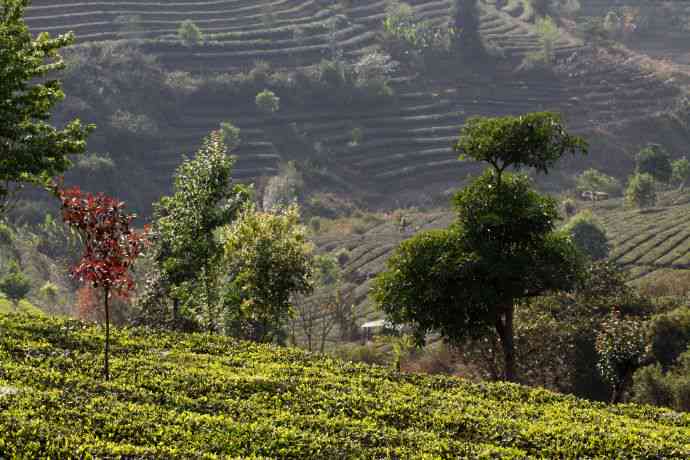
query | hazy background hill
[154, 96]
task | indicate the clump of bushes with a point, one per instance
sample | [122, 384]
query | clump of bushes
[189, 33]
[267, 102]
[592, 180]
[640, 192]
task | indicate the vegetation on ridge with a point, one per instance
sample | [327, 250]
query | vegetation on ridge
[204, 396]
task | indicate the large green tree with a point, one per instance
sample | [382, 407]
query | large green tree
[267, 260]
[31, 149]
[466, 281]
[187, 250]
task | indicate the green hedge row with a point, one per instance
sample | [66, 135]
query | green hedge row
[201, 396]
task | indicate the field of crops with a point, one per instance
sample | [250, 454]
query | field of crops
[199, 396]
[645, 241]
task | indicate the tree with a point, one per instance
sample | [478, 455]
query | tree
[640, 191]
[588, 235]
[15, 285]
[110, 246]
[267, 259]
[187, 251]
[621, 347]
[231, 135]
[31, 150]
[189, 33]
[466, 280]
[681, 172]
[656, 162]
[267, 102]
[536, 140]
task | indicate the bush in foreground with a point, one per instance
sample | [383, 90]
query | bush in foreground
[197, 395]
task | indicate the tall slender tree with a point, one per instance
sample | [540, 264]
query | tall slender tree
[187, 250]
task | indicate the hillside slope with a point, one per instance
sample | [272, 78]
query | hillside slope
[199, 396]
[405, 151]
[642, 243]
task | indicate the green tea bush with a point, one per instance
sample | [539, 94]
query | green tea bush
[182, 396]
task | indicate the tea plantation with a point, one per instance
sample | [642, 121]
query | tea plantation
[200, 396]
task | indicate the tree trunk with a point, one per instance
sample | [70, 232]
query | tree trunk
[176, 312]
[106, 292]
[504, 327]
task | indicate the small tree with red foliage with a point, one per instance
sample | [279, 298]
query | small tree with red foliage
[110, 246]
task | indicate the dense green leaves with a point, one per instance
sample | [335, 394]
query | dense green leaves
[588, 234]
[535, 140]
[201, 396]
[187, 250]
[656, 162]
[640, 191]
[267, 259]
[31, 150]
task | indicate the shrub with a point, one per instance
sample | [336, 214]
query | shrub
[621, 346]
[94, 163]
[140, 125]
[230, 134]
[640, 192]
[681, 172]
[669, 335]
[589, 235]
[672, 388]
[548, 35]
[402, 24]
[267, 102]
[656, 162]
[15, 285]
[189, 33]
[356, 137]
[6, 236]
[49, 292]
[596, 181]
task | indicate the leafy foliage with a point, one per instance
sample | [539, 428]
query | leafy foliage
[621, 347]
[189, 33]
[267, 259]
[588, 234]
[267, 102]
[187, 251]
[15, 284]
[656, 162]
[186, 396]
[640, 191]
[535, 140]
[31, 150]
[110, 246]
[464, 281]
[681, 172]
[231, 135]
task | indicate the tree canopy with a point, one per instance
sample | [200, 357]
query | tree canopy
[31, 149]
[536, 140]
[187, 250]
[655, 161]
[465, 281]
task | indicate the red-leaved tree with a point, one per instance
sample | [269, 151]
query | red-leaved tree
[110, 246]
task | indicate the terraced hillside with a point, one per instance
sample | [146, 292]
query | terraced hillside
[200, 396]
[406, 143]
[642, 242]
